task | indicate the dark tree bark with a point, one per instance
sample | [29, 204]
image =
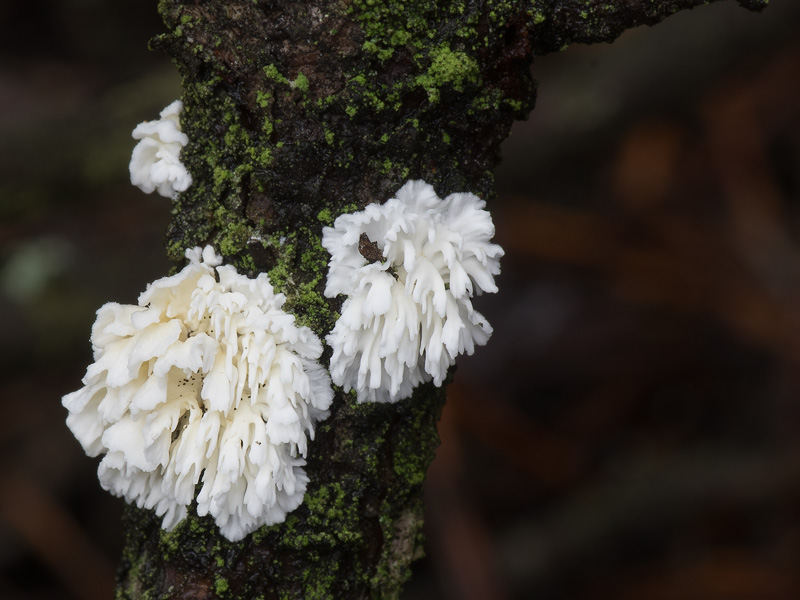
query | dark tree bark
[298, 112]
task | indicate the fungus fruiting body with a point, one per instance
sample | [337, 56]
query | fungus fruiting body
[206, 381]
[408, 269]
[155, 161]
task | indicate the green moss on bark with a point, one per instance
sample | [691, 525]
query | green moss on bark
[355, 535]
[275, 138]
[298, 112]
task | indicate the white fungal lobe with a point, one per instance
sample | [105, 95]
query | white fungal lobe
[407, 313]
[155, 161]
[207, 381]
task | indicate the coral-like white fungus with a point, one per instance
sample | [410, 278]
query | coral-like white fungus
[155, 162]
[206, 381]
[408, 269]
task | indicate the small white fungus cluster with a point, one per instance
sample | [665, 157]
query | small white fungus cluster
[207, 381]
[155, 162]
[408, 269]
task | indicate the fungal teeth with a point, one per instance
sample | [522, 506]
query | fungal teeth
[407, 312]
[155, 162]
[206, 381]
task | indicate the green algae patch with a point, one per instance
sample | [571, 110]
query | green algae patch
[299, 274]
[221, 585]
[194, 544]
[301, 83]
[332, 512]
[448, 68]
[272, 73]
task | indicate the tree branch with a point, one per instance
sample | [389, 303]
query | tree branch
[296, 112]
[562, 22]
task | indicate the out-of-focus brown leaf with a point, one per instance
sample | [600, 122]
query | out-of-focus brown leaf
[27, 508]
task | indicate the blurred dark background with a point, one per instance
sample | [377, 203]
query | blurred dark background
[630, 431]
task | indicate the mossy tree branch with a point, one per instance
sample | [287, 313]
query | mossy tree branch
[563, 22]
[297, 112]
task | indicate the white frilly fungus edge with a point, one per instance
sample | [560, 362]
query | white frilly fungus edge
[407, 315]
[206, 381]
[155, 161]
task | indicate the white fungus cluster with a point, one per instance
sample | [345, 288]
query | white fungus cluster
[155, 162]
[408, 269]
[207, 381]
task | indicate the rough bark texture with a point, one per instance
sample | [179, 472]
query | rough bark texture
[298, 112]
